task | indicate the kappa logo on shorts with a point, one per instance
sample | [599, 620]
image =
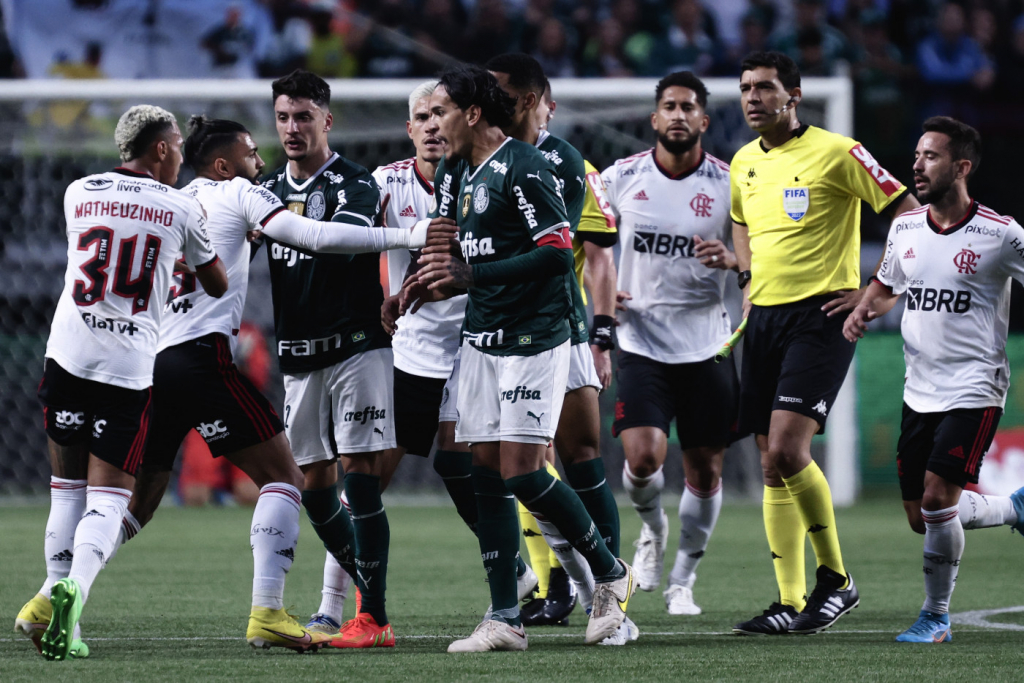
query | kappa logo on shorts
[790, 399]
[369, 413]
[520, 392]
[821, 407]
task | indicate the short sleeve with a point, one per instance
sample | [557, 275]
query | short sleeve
[611, 191]
[258, 203]
[358, 202]
[1012, 252]
[890, 272]
[736, 197]
[199, 252]
[597, 212]
[862, 176]
[538, 196]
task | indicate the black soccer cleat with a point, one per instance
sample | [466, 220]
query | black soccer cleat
[774, 621]
[826, 603]
[556, 607]
[532, 612]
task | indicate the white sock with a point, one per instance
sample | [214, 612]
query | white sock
[67, 503]
[698, 513]
[274, 535]
[97, 533]
[336, 583]
[645, 493]
[129, 528]
[943, 548]
[980, 512]
[574, 564]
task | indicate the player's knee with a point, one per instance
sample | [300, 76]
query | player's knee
[643, 464]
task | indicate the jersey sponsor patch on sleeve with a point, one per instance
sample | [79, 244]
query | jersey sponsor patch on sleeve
[882, 177]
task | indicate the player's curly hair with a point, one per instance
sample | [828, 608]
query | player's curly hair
[207, 137]
[785, 67]
[964, 140]
[683, 79]
[302, 84]
[140, 127]
[469, 85]
[524, 72]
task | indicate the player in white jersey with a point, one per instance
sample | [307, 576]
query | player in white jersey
[125, 228]
[954, 259]
[196, 384]
[672, 204]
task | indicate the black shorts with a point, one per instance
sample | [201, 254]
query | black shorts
[794, 358]
[196, 385]
[417, 408]
[701, 396]
[951, 444]
[112, 422]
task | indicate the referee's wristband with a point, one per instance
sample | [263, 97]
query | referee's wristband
[601, 332]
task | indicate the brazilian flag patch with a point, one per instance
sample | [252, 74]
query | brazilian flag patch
[358, 336]
[525, 339]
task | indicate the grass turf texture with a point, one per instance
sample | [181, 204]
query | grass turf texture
[173, 606]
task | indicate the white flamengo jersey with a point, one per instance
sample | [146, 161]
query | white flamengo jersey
[426, 342]
[125, 231]
[676, 314]
[957, 314]
[233, 207]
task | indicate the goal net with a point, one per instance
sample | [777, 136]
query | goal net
[55, 131]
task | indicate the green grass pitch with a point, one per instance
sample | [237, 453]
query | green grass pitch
[173, 605]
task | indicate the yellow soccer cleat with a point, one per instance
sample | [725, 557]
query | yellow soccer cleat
[276, 628]
[33, 619]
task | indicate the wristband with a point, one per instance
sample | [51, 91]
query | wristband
[601, 332]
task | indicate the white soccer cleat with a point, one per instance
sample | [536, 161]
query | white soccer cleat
[611, 600]
[626, 632]
[492, 636]
[679, 601]
[649, 560]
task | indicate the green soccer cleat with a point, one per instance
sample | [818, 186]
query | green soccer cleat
[66, 600]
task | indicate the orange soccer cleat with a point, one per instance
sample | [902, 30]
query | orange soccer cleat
[363, 632]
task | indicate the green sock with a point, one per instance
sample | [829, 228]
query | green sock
[498, 531]
[588, 481]
[456, 472]
[543, 494]
[332, 524]
[373, 536]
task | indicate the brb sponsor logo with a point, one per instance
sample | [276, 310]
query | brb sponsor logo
[663, 244]
[928, 299]
[361, 416]
[476, 247]
[65, 419]
[214, 431]
[520, 392]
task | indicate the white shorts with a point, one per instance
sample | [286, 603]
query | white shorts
[582, 372]
[356, 397]
[511, 398]
[449, 401]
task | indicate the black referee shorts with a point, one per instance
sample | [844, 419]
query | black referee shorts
[417, 408]
[196, 385]
[794, 358]
[951, 444]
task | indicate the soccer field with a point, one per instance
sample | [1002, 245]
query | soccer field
[172, 606]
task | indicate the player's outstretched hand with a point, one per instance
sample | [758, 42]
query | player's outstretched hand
[390, 311]
[620, 302]
[845, 301]
[713, 254]
[603, 365]
[441, 233]
[857, 322]
[415, 293]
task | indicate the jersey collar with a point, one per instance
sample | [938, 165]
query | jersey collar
[796, 134]
[484, 162]
[938, 230]
[134, 174]
[679, 176]
[427, 186]
[541, 137]
[305, 183]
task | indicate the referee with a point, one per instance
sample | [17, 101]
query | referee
[796, 194]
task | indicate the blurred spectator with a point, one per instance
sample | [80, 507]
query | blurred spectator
[74, 113]
[754, 31]
[289, 41]
[811, 60]
[686, 46]
[984, 30]
[1011, 65]
[951, 57]
[639, 42]
[383, 44]
[552, 51]
[809, 15]
[439, 30]
[881, 75]
[491, 32]
[605, 55]
[231, 46]
[327, 56]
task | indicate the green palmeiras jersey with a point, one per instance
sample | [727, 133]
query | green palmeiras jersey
[568, 165]
[326, 306]
[503, 207]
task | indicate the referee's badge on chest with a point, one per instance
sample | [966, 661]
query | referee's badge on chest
[795, 201]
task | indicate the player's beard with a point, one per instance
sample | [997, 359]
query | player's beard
[678, 146]
[938, 189]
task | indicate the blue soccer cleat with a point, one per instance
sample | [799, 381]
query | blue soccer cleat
[929, 628]
[321, 623]
[1017, 497]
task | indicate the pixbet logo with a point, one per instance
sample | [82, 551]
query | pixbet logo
[701, 205]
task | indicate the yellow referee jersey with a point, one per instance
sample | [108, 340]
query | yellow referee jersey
[801, 204]
[597, 217]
